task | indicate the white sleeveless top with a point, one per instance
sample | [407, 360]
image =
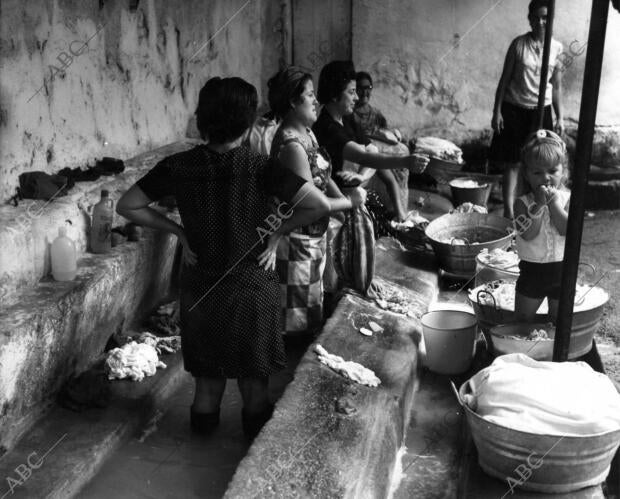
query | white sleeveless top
[548, 245]
[523, 87]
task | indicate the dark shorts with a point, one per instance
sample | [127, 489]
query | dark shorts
[519, 122]
[540, 280]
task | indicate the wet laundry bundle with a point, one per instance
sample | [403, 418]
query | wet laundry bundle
[134, 361]
[87, 391]
[354, 250]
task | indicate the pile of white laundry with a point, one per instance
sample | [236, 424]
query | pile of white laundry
[134, 361]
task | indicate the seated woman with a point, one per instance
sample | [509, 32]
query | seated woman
[370, 119]
[374, 126]
[337, 131]
[230, 305]
[301, 255]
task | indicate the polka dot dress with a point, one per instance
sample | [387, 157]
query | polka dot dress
[230, 307]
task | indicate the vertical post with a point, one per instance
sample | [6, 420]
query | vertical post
[544, 71]
[583, 154]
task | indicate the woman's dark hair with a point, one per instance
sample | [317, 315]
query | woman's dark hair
[363, 75]
[285, 87]
[333, 80]
[226, 109]
[535, 5]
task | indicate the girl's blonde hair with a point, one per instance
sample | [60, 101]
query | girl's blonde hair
[543, 147]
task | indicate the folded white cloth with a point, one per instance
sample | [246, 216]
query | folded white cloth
[547, 398]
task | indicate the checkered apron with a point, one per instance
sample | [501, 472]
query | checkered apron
[300, 264]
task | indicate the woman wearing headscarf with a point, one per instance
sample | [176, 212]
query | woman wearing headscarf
[230, 305]
[300, 256]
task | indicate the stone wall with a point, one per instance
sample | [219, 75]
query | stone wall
[438, 64]
[131, 88]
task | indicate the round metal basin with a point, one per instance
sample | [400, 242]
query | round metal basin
[457, 238]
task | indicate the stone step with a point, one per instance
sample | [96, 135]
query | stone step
[26, 231]
[61, 328]
[65, 449]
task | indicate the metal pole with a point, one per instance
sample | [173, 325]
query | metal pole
[583, 154]
[544, 71]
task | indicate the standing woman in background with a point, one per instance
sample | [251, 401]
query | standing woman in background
[515, 113]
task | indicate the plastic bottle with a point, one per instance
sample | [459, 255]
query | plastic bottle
[101, 228]
[64, 257]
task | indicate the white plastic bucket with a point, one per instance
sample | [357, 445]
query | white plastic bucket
[449, 339]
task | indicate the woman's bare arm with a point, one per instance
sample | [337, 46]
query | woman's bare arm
[507, 74]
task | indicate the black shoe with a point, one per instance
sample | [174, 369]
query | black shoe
[204, 423]
[254, 422]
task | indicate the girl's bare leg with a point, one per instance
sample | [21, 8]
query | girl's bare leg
[553, 310]
[525, 308]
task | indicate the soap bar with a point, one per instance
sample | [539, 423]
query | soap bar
[365, 332]
[376, 328]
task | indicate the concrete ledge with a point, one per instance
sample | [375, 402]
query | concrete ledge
[26, 231]
[311, 447]
[59, 328]
[79, 443]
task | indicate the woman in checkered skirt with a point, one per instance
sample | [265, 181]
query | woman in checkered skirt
[300, 256]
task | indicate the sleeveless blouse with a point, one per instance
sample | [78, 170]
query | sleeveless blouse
[548, 245]
[320, 169]
[523, 87]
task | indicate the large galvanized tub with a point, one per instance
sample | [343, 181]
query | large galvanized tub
[457, 238]
[585, 321]
[542, 463]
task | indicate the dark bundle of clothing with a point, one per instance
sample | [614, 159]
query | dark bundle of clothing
[41, 185]
[89, 390]
[106, 166]
[354, 250]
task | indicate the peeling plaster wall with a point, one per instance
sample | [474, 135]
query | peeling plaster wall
[133, 87]
[439, 62]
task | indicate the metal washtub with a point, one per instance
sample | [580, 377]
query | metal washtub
[457, 239]
[569, 463]
[585, 322]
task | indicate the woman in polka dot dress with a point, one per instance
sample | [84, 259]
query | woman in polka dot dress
[230, 318]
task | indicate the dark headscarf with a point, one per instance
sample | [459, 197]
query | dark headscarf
[285, 87]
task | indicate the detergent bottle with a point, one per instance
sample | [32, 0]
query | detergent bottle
[101, 227]
[64, 257]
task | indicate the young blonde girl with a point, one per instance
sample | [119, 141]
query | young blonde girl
[541, 215]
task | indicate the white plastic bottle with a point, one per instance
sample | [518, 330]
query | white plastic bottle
[64, 257]
[101, 228]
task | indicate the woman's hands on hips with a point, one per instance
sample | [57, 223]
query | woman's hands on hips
[267, 259]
